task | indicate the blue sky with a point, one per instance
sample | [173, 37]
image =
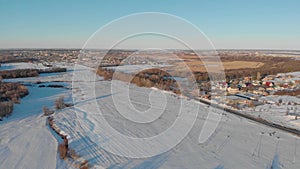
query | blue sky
[266, 24]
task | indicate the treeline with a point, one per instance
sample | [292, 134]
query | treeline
[147, 78]
[52, 70]
[16, 60]
[6, 109]
[288, 92]
[249, 57]
[21, 73]
[10, 93]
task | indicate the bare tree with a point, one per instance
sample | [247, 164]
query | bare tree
[60, 103]
[47, 111]
[62, 148]
[6, 108]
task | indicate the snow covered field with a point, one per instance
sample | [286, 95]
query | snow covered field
[283, 113]
[237, 142]
[25, 140]
[27, 143]
[22, 65]
[278, 113]
[135, 68]
[28, 65]
[44, 77]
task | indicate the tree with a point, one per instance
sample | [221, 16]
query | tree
[59, 103]
[62, 148]
[258, 76]
[287, 112]
[6, 108]
[280, 101]
[47, 111]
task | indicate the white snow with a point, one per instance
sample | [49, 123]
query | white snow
[34, 65]
[277, 113]
[135, 68]
[237, 142]
[22, 65]
[27, 144]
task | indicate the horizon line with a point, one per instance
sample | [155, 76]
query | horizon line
[73, 48]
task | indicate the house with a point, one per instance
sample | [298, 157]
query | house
[269, 84]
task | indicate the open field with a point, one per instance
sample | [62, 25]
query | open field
[250, 144]
[242, 64]
[198, 65]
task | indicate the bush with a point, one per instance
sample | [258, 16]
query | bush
[59, 103]
[6, 108]
[62, 149]
[47, 111]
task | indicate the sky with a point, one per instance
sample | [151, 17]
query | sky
[228, 24]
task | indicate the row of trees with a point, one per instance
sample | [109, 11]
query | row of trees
[147, 78]
[20, 73]
[288, 92]
[58, 104]
[63, 148]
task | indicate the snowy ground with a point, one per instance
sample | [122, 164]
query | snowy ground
[22, 65]
[27, 144]
[277, 113]
[28, 65]
[135, 68]
[237, 142]
[44, 77]
[25, 140]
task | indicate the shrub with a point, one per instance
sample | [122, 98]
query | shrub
[59, 103]
[62, 149]
[47, 111]
[6, 108]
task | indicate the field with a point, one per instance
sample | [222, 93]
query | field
[250, 144]
[198, 66]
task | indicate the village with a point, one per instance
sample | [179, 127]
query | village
[249, 91]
